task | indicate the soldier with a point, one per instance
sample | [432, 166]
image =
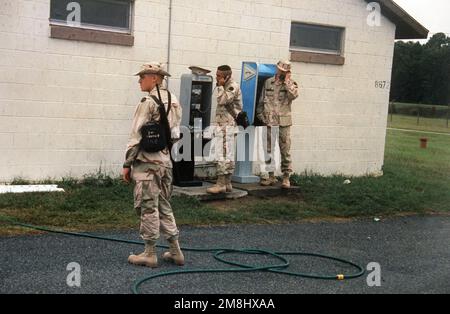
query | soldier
[152, 172]
[229, 105]
[274, 110]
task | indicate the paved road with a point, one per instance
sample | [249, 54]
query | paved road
[413, 252]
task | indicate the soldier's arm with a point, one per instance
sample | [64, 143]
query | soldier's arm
[238, 104]
[131, 155]
[225, 97]
[292, 89]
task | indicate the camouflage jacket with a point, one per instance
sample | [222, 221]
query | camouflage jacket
[229, 103]
[274, 107]
[147, 110]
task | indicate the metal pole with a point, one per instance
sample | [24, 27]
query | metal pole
[169, 37]
[391, 110]
[418, 114]
[448, 114]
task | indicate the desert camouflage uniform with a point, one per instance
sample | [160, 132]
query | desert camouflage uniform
[152, 172]
[275, 110]
[229, 104]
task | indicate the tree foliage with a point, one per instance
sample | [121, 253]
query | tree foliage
[421, 72]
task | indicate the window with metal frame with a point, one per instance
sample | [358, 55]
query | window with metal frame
[316, 38]
[106, 15]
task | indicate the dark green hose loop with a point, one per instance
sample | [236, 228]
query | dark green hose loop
[279, 268]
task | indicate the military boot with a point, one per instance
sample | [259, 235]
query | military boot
[220, 187]
[148, 258]
[174, 255]
[286, 182]
[228, 183]
[271, 180]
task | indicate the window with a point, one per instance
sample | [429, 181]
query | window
[109, 15]
[99, 21]
[316, 38]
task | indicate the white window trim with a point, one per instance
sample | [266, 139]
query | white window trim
[304, 49]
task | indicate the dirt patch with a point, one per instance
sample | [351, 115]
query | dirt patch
[227, 205]
[248, 201]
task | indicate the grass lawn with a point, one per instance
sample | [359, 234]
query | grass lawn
[415, 181]
[425, 124]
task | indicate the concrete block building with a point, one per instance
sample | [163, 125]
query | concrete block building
[67, 93]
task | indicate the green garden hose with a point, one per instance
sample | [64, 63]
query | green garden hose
[279, 268]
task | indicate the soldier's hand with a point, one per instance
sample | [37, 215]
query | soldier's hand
[220, 81]
[288, 76]
[126, 174]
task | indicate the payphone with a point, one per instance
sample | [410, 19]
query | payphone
[254, 75]
[195, 98]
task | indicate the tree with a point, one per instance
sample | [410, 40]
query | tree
[421, 73]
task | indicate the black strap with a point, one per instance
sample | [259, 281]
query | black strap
[160, 102]
[163, 114]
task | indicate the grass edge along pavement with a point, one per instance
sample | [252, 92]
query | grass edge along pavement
[415, 181]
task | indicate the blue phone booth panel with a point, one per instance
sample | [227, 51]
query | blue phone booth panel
[253, 77]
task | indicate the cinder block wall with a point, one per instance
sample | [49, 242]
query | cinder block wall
[66, 106]
[341, 117]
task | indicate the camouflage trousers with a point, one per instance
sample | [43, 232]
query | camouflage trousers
[284, 141]
[152, 194]
[225, 155]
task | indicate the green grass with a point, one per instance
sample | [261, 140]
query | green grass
[415, 181]
[425, 124]
[426, 172]
[84, 206]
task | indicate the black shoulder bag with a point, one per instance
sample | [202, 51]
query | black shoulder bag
[242, 119]
[156, 135]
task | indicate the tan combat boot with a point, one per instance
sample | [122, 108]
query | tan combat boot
[148, 258]
[228, 183]
[286, 182]
[220, 187]
[272, 180]
[174, 255]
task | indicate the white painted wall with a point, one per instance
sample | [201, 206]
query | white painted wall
[340, 118]
[66, 106]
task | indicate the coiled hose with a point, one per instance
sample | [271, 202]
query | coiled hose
[219, 254]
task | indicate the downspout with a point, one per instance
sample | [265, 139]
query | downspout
[169, 40]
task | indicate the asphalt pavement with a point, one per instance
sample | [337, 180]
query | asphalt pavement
[413, 254]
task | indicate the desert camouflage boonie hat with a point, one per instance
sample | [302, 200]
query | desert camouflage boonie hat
[284, 66]
[153, 68]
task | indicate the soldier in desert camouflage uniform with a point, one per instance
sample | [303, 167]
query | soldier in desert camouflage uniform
[152, 172]
[274, 110]
[229, 105]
